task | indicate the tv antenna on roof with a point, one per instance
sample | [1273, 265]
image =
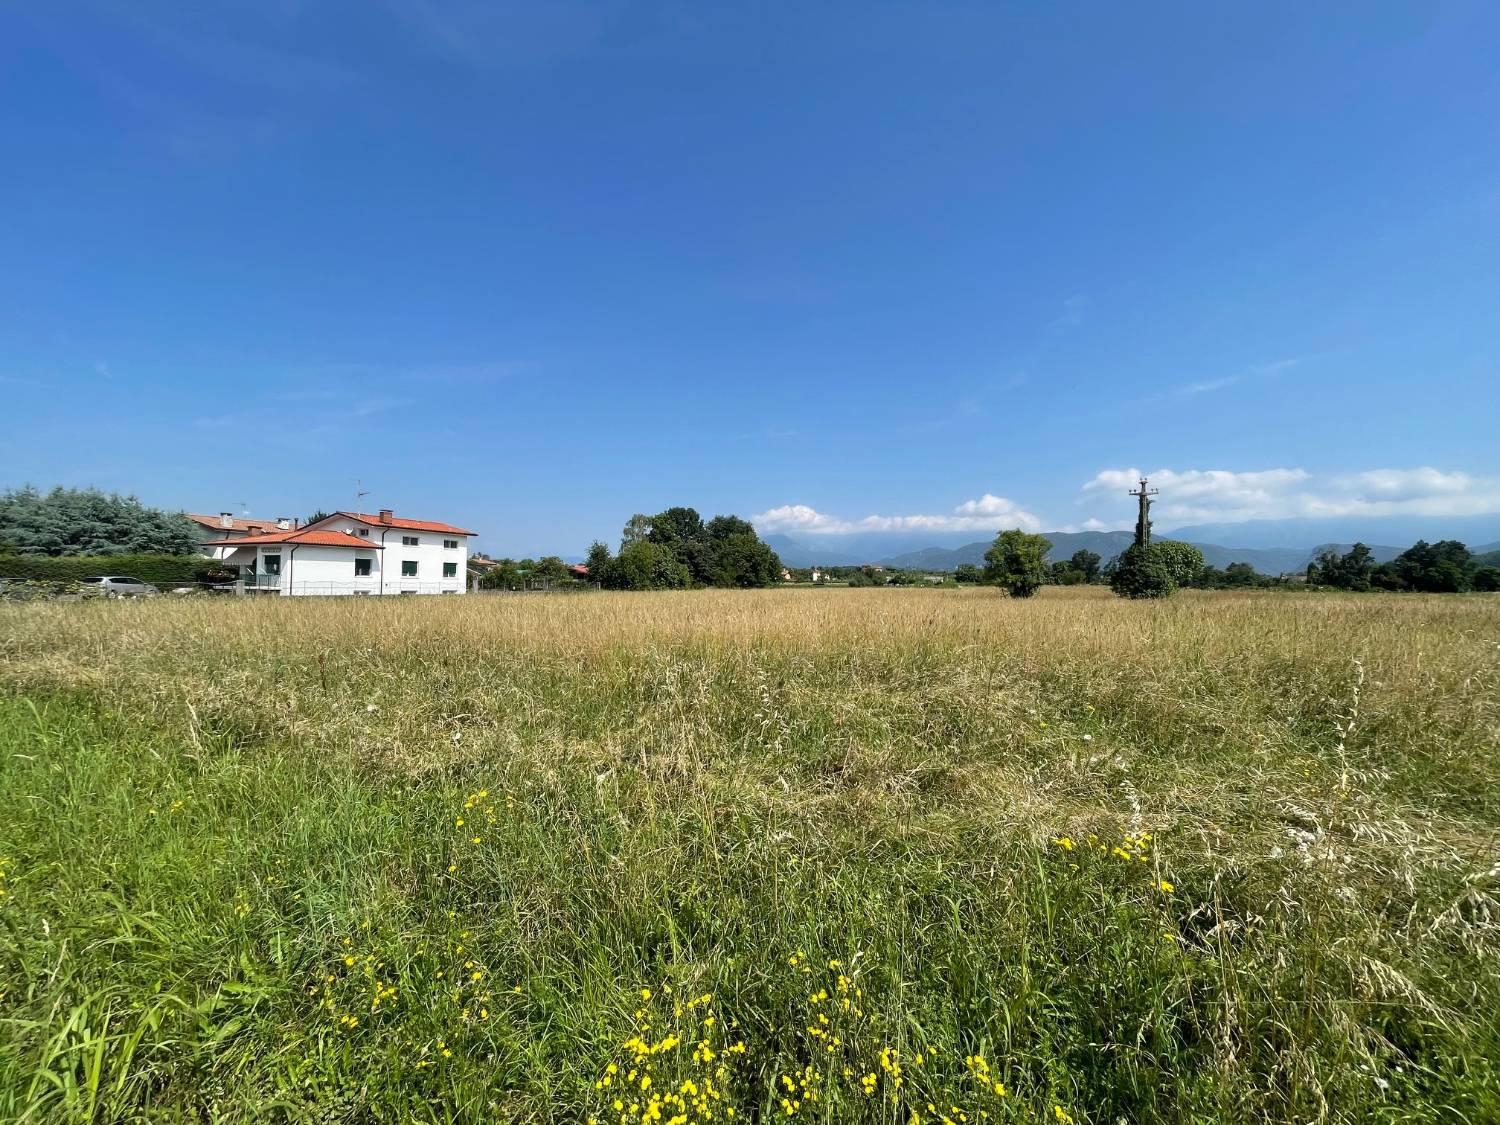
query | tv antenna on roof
[359, 494]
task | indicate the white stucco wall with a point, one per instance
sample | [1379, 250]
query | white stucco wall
[429, 554]
[317, 570]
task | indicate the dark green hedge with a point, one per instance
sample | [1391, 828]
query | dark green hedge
[160, 570]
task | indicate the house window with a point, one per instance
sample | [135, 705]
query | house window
[409, 541]
[450, 570]
[271, 563]
[408, 568]
[364, 533]
[361, 593]
[361, 568]
[450, 544]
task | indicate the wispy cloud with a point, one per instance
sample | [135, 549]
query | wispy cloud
[988, 513]
[371, 406]
[485, 34]
[1209, 385]
[268, 67]
[1221, 495]
[1256, 371]
[1074, 310]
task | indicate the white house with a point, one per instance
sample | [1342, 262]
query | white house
[354, 553]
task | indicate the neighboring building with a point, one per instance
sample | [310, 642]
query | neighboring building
[420, 556]
[224, 526]
[305, 561]
[351, 553]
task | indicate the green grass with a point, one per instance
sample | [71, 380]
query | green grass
[226, 828]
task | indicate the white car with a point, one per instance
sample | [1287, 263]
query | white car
[120, 586]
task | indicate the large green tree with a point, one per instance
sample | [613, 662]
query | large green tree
[1141, 572]
[1087, 563]
[68, 521]
[1017, 560]
[1352, 571]
[1444, 567]
[686, 551]
[644, 565]
[598, 561]
[1183, 561]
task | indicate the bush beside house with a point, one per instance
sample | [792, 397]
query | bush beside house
[159, 570]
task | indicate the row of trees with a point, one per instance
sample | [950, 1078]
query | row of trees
[73, 521]
[1017, 561]
[676, 549]
[549, 572]
[1445, 567]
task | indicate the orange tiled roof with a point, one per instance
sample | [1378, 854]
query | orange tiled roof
[213, 523]
[317, 538]
[409, 525]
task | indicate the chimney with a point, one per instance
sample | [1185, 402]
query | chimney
[386, 515]
[283, 523]
[226, 519]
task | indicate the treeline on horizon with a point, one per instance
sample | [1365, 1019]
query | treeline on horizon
[678, 549]
[1444, 567]
[675, 549]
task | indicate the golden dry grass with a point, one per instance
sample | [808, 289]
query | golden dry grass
[1318, 773]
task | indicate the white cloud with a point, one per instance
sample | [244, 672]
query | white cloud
[1218, 495]
[988, 513]
[1406, 484]
[797, 517]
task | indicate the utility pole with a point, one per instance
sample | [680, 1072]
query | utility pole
[1143, 521]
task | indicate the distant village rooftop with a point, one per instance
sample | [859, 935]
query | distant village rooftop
[226, 522]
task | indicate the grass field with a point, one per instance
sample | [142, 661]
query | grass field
[832, 855]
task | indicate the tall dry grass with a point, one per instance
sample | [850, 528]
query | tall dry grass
[979, 802]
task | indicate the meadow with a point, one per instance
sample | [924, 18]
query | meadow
[907, 856]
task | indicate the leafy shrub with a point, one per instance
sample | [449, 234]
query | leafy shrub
[1142, 573]
[31, 590]
[1183, 561]
[1018, 561]
[159, 570]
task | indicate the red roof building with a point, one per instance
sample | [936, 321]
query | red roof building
[387, 518]
[312, 536]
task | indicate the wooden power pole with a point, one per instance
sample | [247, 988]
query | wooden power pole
[1143, 521]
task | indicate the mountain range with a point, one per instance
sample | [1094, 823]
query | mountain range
[856, 551]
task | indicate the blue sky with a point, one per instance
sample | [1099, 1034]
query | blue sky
[533, 268]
